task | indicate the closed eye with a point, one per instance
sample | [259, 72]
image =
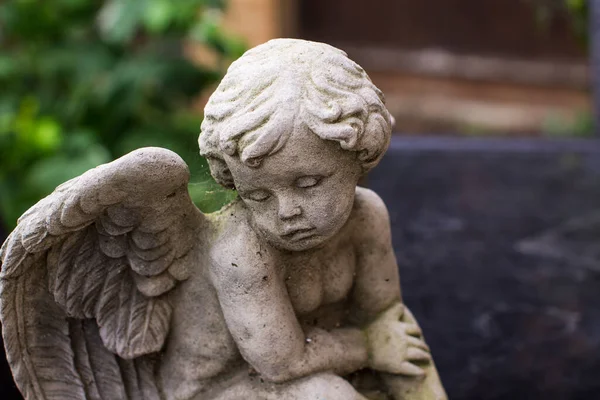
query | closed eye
[308, 181]
[257, 195]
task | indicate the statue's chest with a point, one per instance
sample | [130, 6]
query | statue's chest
[323, 278]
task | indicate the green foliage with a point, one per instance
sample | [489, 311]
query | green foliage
[580, 125]
[83, 82]
[577, 10]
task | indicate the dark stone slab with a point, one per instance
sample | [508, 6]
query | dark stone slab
[594, 52]
[498, 243]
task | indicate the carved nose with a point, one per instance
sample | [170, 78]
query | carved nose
[289, 212]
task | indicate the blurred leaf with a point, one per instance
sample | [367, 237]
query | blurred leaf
[157, 15]
[210, 197]
[8, 66]
[576, 10]
[47, 135]
[51, 172]
[576, 5]
[581, 125]
[118, 20]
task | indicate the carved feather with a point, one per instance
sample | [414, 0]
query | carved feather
[131, 324]
[139, 379]
[99, 368]
[36, 338]
[83, 361]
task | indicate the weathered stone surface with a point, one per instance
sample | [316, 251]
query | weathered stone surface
[498, 244]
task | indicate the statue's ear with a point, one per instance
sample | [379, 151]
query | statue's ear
[220, 171]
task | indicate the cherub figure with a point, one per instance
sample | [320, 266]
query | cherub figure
[117, 287]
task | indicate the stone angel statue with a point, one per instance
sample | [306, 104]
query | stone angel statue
[116, 286]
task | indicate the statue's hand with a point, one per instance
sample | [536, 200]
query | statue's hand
[396, 344]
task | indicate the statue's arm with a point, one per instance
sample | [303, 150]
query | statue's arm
[410, 373]
[377, 303]
[377, 282]
[263, 323]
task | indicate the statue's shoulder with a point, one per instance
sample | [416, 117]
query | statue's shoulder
[370, 218]
[368, 205]
[234, 241]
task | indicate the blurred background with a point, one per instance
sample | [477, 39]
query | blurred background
[492, 178]
[467, 67]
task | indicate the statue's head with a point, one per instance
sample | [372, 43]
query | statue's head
[293, 126]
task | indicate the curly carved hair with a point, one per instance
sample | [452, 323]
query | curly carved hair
[285, 82]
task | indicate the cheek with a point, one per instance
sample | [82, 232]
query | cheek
[264, 215]
[330, 212]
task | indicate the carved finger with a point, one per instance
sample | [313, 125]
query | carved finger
[408, 316]
[407, 368]
[416, 354]
[396, 311]
[418, 343]
[413, 329]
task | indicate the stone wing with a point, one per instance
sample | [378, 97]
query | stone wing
[85, 277]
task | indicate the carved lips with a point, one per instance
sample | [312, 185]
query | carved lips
[296, 234]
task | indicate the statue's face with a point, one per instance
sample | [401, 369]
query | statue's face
[302, 195]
